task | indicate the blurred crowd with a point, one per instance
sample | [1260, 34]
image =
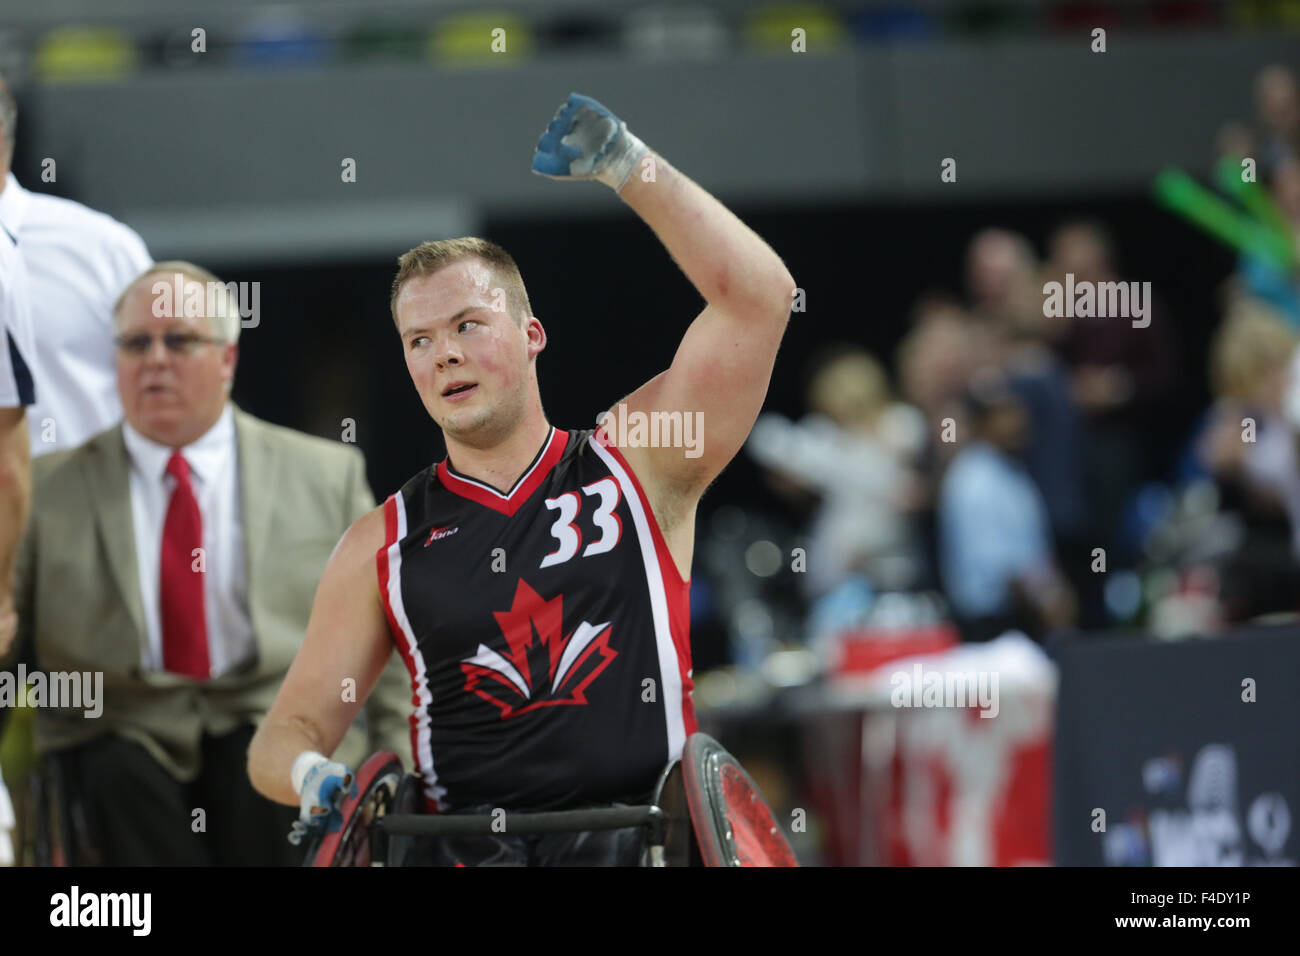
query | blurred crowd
[1007, 479]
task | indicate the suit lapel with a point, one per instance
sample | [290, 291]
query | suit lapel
[108, 473]
[258, 462]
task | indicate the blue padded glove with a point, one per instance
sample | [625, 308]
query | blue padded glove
[587, 141]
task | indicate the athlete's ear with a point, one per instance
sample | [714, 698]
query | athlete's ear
[536, 335]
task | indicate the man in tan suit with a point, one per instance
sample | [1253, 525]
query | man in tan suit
[178, 554]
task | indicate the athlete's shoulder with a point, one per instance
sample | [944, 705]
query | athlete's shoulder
[363, 540]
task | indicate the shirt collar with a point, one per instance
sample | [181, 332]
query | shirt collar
[13, 205]
[204, 455]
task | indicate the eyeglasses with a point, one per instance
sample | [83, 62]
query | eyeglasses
[176, 343]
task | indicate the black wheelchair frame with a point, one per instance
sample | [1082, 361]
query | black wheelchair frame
[705, 811]
[384, 806]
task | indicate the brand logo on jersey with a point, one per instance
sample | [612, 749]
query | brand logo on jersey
[438, 533]
[540, 665]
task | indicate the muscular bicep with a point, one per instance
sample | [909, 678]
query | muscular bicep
[696, 415]
[346, 645]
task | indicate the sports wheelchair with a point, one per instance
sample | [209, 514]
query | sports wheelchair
[706, 811]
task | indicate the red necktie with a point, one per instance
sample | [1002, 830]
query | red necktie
[184, 626]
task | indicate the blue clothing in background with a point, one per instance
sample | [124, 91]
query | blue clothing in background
[1054, 452]
[993, 527]
[1263, 280]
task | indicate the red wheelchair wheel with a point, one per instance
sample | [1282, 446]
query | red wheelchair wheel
[733, 824]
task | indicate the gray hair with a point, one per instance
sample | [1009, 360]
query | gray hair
[220, 299]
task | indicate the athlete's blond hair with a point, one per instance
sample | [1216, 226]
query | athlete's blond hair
[428, 257]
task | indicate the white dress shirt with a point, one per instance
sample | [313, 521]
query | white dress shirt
[214, 474]
[17, 378]
[78, 262]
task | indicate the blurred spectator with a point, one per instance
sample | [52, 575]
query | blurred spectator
[1002, 279]
[1006, 287]
[1246, 444]
[933, 358]
[856, 449]
[1234, 141]
[1277, 148]
[1121, 379]
[1277, 104]
[78, 262]
[1263, 278]
[995, 537]
[1247, 436]
[935, 361]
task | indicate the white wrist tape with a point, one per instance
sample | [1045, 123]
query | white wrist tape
[307, 760]
[617, 165]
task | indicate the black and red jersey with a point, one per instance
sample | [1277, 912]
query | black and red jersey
[546, 631]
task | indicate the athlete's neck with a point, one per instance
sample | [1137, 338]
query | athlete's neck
[501, 465]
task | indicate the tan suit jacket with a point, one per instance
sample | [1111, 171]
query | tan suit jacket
[78, 595]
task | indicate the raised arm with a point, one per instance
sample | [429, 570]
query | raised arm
[724, 363]
[347, 638]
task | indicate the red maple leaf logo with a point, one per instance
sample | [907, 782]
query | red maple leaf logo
[541, 666]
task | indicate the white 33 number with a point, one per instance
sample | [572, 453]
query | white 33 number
[567, 533]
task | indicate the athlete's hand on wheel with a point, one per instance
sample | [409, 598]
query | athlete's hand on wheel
[324, 788]
[587, 141]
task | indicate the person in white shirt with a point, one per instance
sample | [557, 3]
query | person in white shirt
[17, 391]
[78, 262]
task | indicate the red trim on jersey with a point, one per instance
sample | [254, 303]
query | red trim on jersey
[677, 590]
[394, 629]
[524, 487]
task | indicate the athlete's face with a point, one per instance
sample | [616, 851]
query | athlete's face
[471, 362]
